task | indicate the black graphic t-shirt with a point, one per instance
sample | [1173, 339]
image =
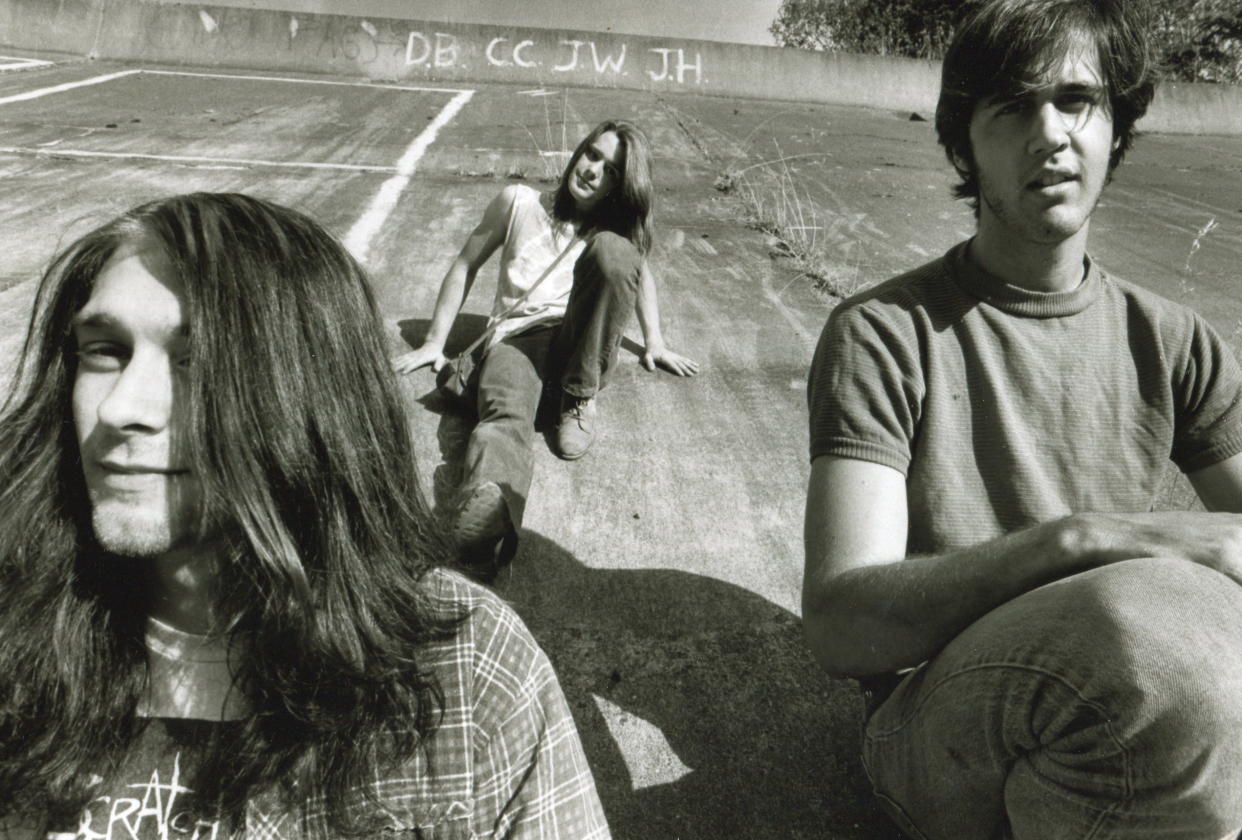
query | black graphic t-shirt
[152, 796]
[190, 702]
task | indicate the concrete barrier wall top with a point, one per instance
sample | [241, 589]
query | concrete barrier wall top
[1181, 108]
[417, 51]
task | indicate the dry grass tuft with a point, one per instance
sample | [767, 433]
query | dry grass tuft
[554, 150]
[801, 234]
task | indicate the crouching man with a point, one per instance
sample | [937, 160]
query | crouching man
[1044, 656]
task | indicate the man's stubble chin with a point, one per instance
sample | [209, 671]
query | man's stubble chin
[1051, 227]
[135, 532]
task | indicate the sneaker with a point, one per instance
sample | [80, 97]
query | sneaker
[483, 532]
[575, 431]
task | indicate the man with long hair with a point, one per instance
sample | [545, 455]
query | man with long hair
[223, 609]
[573, 266]
[1043, 653]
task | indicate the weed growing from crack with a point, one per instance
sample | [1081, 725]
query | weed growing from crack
[551, 158]
[1175, 491]
[1184, 281]
[777, 206]
[463, 172]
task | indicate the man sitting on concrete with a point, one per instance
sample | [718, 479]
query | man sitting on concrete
[1044, 656]
[573, 266]
[223, 609]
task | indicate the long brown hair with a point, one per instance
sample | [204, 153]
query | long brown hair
[301, 440]
[627, 209]
[1007, 47]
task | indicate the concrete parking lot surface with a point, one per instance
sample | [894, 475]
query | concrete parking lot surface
[662, 572]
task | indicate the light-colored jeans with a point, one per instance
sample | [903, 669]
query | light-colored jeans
[1104, 705]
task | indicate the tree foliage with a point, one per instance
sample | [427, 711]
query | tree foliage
[1197, 40]
[918, 28]
[1201, 40]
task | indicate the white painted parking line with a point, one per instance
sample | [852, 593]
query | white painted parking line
[10, 62]
[358, 240]
[292, 164]
[417, 147]
[303, 81]
[94, 80]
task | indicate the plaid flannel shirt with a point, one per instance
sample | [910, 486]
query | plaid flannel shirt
[505, 760]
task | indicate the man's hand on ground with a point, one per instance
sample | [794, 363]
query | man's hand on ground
[674, 363]
[420, 357]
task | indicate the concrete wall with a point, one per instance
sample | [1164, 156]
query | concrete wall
[731, 21]
[416, 51]
[1181, 108]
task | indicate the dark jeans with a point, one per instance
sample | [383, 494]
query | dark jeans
[1104, 705]
[576, 354]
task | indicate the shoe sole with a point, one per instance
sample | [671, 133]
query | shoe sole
[571, 456]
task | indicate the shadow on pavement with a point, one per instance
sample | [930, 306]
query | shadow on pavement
[700, 709]
[455, 424]
[452, 433]
[466, 328]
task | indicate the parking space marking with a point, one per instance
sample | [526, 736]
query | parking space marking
[380, 85]
[292, 164]
[358, 240]
[94, 80]
[403, 168]
[108, 77]
[10, 62]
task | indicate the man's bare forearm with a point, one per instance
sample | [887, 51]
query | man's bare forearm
[453, 290]
[881, 617]
[647, 308]
[878, 618]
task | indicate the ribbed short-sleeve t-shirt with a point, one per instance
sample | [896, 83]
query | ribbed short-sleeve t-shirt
[1005, 407]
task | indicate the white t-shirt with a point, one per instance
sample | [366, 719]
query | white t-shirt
[190, 699]
[533, 241]
[190, 676]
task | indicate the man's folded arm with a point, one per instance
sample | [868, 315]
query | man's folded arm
[867, 607]
[870, 609]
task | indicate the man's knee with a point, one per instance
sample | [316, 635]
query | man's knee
[1173, 628]
[507, 405]
[1117, 684]
[1138, 614]
[1150, 647]
[1153, 642]
[1170, 618]
[509, 387]
[611, 258]
[1166, 678]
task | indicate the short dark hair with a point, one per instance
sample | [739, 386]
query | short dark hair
[627, 209]
[300, 434]
[1005, 47]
